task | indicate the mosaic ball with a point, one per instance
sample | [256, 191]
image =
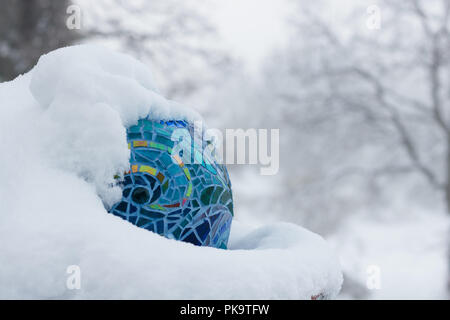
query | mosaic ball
[181, 197]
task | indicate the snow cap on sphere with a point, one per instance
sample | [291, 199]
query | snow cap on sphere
[88, 96]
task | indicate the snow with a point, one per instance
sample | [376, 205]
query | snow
[62, 138]
[407, 254]
[89, 96]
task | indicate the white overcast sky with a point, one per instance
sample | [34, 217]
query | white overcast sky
[251, 27]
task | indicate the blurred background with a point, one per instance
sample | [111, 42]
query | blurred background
[360, 91]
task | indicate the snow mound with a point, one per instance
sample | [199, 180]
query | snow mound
[89, 95]
[62, 137]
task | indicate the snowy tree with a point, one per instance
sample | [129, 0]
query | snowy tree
[372, 103]
[175, 38]
[29, 29]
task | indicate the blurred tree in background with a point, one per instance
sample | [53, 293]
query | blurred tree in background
[364, 115]
[176, 39]
[365, 112]
[398, 81]
[360, 109]
[29, 29]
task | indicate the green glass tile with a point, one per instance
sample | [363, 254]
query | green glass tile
[177, 233]
[157, 146]
[216, 195]
[186, 172]
[230, 207]
[157, 207]
[189, 190]
[225, 197]
[165, 186]
[206, 195]
[184, 223]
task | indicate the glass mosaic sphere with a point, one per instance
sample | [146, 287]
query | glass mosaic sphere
[185, 200]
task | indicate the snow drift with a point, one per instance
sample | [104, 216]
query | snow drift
[62, 136]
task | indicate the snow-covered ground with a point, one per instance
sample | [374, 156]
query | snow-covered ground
[401, 257]
[393, 251]
[62, 136]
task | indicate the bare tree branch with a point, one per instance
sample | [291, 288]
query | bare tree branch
[423, 18]
[435, 86]
[407, 140]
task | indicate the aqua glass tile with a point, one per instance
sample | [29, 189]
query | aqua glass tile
[134, 136]
[134, 129]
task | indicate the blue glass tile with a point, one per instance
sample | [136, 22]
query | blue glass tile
[192, 239]
[122, 206]
[203, 230]
[132, 219]
[134, 136]
[151, 214]
[126, 192]
[139, 180]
